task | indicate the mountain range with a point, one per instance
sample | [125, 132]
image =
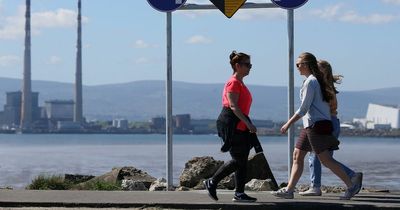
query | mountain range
[142, 100]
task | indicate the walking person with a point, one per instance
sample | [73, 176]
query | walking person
[235, 128]
[316, 134]
[314, 163]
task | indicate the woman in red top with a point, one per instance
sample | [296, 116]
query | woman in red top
[234, 128]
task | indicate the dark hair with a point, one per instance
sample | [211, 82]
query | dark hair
[311, 61]
[330, 79]
[235, 58]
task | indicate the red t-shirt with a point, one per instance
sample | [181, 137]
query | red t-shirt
[236, 86]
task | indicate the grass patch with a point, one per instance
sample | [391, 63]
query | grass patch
[99, 185]
[49, 182]
[57, 182]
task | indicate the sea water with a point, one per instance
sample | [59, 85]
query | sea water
[25, 156]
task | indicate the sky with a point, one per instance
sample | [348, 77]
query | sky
[125, 41]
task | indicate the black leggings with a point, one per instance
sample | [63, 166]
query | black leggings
[239, 153]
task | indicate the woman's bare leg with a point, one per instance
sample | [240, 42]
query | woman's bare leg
[328, 161]
[297, 168]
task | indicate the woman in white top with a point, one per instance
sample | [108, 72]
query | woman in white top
[316, 135]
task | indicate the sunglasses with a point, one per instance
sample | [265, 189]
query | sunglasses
[248, 65]
[298, 64]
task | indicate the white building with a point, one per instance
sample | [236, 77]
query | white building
[382, 116]
[121, 124]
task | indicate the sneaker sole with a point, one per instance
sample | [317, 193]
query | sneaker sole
[310, 194]
[283, 197]
[243, 201]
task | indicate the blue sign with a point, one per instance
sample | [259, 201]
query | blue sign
[289, 4]
[166, 5]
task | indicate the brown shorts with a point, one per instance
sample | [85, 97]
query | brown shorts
[317, 138]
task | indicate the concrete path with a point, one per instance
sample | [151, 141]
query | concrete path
[16, 199]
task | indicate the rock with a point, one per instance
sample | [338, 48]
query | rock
[77, 178]
[198, 168]
[181, 188]
[159, 185]
[124, 173]
[227, 183]
[132, 173]
[258, 168]
[133, 185]
[259, 185]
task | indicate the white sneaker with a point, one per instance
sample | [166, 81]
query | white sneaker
[283, 193]
[313, 191]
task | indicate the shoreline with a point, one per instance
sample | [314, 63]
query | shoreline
[378, 134]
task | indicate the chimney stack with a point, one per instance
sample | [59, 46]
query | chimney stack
[26, 106]
[78, 110]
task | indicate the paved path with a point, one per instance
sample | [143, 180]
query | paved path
[11, 199]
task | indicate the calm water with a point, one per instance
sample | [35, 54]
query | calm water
[22, 157]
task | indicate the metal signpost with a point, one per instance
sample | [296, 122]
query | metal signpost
[290, 5]
[170, 5]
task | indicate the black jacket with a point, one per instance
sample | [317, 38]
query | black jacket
[226, 126]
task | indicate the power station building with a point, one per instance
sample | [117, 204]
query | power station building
[11, 116]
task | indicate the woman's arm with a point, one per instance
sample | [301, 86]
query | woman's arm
[290, 122]
[233, 99]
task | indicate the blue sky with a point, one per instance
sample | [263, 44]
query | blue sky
[124, 41]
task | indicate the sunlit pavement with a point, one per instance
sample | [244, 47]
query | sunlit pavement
[32, 199]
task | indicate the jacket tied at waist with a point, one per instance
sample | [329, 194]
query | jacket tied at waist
[226, 125]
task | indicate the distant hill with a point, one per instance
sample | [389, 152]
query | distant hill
[142, 100]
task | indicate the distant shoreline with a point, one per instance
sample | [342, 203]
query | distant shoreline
[351, 133]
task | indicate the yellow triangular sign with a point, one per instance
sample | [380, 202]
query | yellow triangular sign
[228, 7]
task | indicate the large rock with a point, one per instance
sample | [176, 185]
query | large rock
[159, 185]
[125, 173]
[132, 185]
[197, 169]
[132, 173]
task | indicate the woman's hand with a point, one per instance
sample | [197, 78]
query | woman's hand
[284, 128]
[252, 128]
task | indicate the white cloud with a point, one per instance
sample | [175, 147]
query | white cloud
[329, 12]
[142, 60]
[54, 60]
[337, 12]
[198, 39]
[395, 2]
[143, 44]
[8, 60]
[353, 17]
[13, 26]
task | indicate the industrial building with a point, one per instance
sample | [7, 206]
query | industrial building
[11, 116]
[381, 117]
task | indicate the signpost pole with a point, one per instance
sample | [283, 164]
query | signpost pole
[168, 119]
[290, 25]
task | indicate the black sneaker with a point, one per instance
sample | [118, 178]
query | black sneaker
[211, 188]
[243, 198]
